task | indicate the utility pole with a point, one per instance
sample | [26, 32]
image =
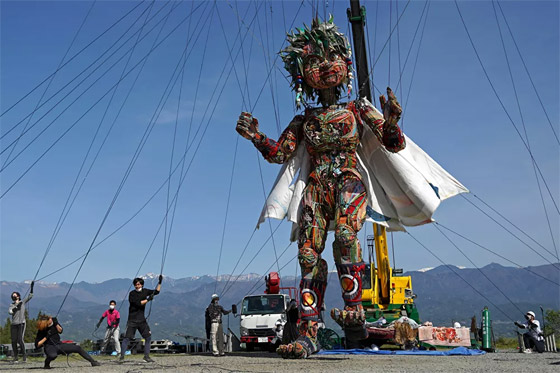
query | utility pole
[357, 17]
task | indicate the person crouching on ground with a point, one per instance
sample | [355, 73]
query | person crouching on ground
[48, 337]
[138, 298]
[17, 310]
[113, 331]
[215, 312]
[533, 339]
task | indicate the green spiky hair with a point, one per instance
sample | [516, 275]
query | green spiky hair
[323, 38]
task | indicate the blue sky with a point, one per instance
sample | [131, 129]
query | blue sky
[451, 111]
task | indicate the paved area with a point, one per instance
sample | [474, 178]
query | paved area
[507, 361]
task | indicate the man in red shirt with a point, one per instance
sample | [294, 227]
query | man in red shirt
[113, 319]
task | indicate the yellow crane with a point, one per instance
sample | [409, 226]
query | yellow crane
[385, 293]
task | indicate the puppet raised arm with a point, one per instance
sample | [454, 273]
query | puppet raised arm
[384, 126]
[273, 151]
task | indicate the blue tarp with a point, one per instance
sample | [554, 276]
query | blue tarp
[462, 351]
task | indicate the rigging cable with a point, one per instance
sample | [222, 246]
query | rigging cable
[267, 271]
[504, 108]
[498, 255]
[264, 84]
[139, 210]
[166, 235]
[412, 165]
[53, 76]
[209, 120]
[416, 59]
[78, 85]
[525, 131]
[257, 153]
[237, 137]
[245, 92]
[90, 108]
[93, 163]
[207, 124]
[269, 268]
[64, 213]
[269, 67]
[239, 260]
[461, 277]
[479, 270]
[186, 148]
[176, 167]
[133, 160]
[71, 58]
[510, 222]
[372, 76]
[390, 40]
[276, 57]
[255, 255]
[73, 89]
[399, 51]
[510, 232]
[385, 44]
[424, 11]
[528, 74]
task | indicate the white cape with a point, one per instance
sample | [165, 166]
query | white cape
[404, 188]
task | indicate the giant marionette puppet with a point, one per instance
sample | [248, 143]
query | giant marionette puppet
[343, 162]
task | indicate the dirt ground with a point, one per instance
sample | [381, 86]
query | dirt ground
[506, 361]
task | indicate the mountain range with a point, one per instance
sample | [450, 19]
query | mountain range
[444, 294]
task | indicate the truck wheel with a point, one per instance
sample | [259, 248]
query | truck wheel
[250, 347]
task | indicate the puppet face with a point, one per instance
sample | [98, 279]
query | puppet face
[324, 72]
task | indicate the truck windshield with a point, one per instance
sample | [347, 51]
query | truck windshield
[262, 304]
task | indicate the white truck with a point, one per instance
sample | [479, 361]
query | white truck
[259, 314]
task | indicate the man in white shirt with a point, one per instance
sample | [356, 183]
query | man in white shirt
[533, 339]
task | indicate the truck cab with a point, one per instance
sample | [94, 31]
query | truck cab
[259, 314]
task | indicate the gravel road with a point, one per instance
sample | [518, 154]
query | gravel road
[507, 361]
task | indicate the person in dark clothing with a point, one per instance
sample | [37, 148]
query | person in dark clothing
[215, 312]
[290, 333]
[17, 310]
[48, 337]
[208, 327]
[138, 299]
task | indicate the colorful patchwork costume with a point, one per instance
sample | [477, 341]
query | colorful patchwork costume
[325, 144]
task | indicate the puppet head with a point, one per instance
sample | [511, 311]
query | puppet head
[318, 58]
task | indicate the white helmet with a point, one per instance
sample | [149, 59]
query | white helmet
[278, 323]
[215, 296]
[531, 313]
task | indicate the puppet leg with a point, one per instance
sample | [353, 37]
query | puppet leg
[350, 215]
[313, 226]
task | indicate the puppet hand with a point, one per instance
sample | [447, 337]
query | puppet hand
[247, 125]
[391, 108]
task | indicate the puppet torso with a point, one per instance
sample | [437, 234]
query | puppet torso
[332, 136]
